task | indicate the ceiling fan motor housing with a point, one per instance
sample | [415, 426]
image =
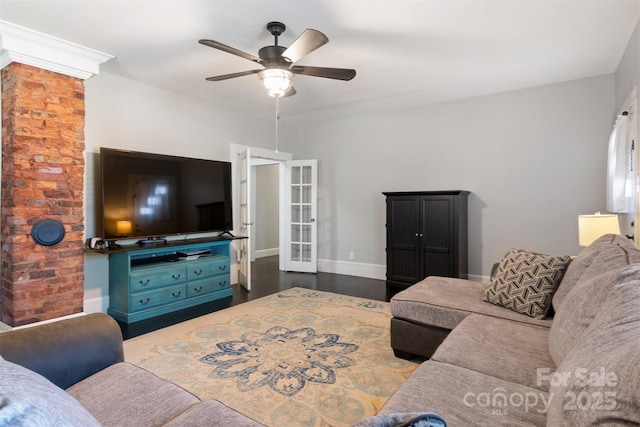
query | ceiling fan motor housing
[272, 55]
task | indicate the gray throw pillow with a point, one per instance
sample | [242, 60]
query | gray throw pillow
[525, 282]
[28, 399]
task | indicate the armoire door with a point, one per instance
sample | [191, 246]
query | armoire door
[437, 245]
[403, 239]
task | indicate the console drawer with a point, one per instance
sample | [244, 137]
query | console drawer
[151, 277]
[208, 266]
[208, 285]
[144, 300]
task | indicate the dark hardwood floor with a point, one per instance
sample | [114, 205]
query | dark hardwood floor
[266, 279]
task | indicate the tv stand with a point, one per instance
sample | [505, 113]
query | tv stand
[226, 232]
[145, 282]
[152, 241]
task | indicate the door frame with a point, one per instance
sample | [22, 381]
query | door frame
[259, 153]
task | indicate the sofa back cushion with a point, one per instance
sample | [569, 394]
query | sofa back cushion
[598, 382]
[604, 254]
[580, 307]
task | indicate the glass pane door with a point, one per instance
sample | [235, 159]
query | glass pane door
[301, 189]
[244, 274]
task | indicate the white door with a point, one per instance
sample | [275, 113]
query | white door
[301, 229]
[244, 256]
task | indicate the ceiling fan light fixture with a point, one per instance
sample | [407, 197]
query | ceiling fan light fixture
[277, 81]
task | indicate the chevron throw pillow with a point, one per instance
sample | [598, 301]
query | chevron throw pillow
[525, 282]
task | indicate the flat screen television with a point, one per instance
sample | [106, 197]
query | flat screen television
[146, 195]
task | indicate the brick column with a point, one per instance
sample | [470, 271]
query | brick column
[42, 178]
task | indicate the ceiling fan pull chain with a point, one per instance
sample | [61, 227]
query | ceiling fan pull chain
[277, 118]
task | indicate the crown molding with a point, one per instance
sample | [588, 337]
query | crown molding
[26, 46]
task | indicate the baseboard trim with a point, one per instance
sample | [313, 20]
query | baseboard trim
[96, 305]
[370, 271]
[56, 319]
[263, 253]
[478, 278]
[360, 269]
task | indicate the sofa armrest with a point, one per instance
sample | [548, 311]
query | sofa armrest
[66, 351]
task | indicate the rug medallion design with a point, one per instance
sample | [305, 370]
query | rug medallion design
[282, 359]
[297, 358]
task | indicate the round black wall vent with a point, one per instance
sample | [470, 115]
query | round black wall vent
[47, 232]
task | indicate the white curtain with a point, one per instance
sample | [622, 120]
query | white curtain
[620, 180]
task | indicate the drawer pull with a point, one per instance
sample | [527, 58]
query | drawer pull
[145, 302]
[197, 289]
[223, 283]
[197, 272]
[222, 267]
[144, 282]
[176, 295]
[176, 277]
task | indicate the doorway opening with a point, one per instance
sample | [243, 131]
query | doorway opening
[243, 158]
[265, 205]
[296, 204]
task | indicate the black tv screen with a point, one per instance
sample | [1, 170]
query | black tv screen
[155, 195]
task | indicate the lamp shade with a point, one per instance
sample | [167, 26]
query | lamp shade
[276, 80]
[123, 227]
[590, 227]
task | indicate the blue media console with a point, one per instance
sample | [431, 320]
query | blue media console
[151, 281]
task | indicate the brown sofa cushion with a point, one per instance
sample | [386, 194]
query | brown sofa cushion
[126, 395]
[467, 398]
[525, 282]
[605, 254]
[214, 414]
[499, 348]
[581, 306]
[598, 382]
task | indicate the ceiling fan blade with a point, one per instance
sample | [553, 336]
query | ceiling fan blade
[329, 73]
[232, 50]
[306, 43]
[232, 75]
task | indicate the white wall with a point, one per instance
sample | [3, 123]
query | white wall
[267, 203]
[628, 71]
[122, 113]
[533, 159]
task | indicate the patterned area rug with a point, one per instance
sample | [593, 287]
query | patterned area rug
[297, 358]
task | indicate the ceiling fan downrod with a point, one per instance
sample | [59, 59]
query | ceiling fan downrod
[276, 29]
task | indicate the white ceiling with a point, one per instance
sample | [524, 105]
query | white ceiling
[406, 53]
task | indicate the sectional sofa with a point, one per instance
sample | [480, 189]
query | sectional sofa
[500, 361]
[494, 365]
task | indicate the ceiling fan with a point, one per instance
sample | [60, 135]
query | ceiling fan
[278, 70]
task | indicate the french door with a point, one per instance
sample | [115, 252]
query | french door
[300, 212]
[244, 255]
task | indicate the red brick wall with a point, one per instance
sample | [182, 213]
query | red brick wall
[42, 178]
